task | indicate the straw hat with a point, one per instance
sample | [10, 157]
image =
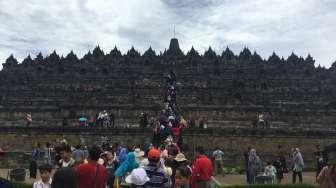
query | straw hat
[180, 157]
[138, 176]
[138, 153]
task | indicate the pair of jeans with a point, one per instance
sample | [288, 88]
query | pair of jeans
[33, 169]
[297, 174]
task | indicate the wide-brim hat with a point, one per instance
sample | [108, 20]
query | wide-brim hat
[138, 153]
[180, 157]
[138, 176]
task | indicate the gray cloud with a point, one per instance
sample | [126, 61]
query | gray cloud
[302, 26]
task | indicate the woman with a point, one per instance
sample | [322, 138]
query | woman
[297, 165]
[111, 166]
[327, 176]
[182, 177]
[127, 166]
[254, 166]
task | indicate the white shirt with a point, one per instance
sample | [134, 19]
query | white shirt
[41, 184]
[218, 155]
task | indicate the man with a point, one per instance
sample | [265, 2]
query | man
[202, 169]
[218, 156]
[155, 172]
[33, 163]
[66, 156]
[47, 154]
[45, 181]
[78, 155]
[92, 174]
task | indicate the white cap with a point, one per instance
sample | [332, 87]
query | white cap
[138, 176]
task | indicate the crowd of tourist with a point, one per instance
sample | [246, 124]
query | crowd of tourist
[112, 165]
[165, 166]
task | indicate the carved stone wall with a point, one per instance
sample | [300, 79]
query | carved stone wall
[227, 90]
[19, 141]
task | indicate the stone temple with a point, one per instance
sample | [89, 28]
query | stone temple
[227, 90]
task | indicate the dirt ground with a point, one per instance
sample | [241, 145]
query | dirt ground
[308, 178]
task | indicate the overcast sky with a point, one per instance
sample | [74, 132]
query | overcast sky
[283, 26]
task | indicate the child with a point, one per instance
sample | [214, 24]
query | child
[270, 171]
[45, 182]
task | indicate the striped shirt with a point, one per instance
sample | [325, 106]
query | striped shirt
[157, 177]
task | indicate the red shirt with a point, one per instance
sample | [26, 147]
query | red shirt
[91, 175]
[202, 168]
[176, 131]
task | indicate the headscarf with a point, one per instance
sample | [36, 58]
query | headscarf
[127, 166]
[122, 154]
[297, 157]
[253, 157]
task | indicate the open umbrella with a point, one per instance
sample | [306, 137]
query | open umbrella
[83, 119]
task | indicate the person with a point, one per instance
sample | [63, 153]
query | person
[110, 164]
[279, 167]
[64, 178]
[297, 165]
[47, 154]
[282, 154]
[139, 157]
[137, 178]
[246, 159]
[327, 176]
[92, 174]
[122, 154]
[45, 181]
[66, 156]
[218, 156]
[180, 161]
[202, 169]
[86, 152]
[319, 160]
[172, 147]
[271, 172]
[182, 176]
[155, 172]
[29, 119]
[33, 163]
[254, 166]
[127, 166]
[78, 155]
